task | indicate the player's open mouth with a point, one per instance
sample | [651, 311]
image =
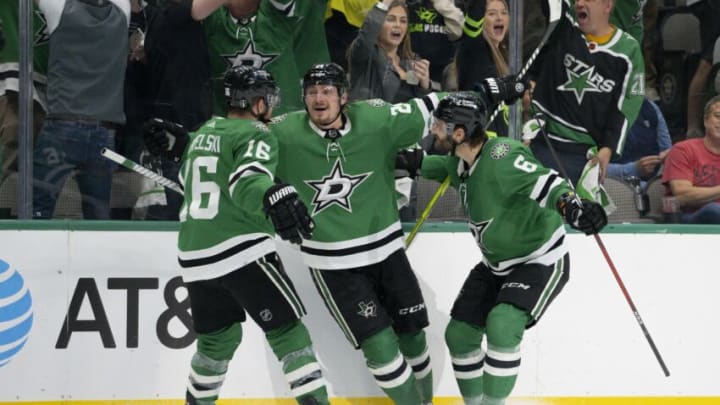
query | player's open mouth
[498, 29]
[396, 35]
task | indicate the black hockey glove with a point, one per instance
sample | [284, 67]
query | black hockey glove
[165, 138]
[499, 89]
[410, 160]
[288, 214]
[586, 216]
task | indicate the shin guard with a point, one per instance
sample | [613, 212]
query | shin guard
[292, 346]
[468, 358]
[414, 348]
[389, 368]
[209, 364]
[505, 328]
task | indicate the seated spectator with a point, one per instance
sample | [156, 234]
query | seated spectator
[483, 50]
[84, 99]
[692, 171]
[435, 27]
[9, 73]
[646, 147]
[382, 63]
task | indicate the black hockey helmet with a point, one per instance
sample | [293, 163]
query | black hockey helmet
[244, 84]
[326, 73]
[463, 109]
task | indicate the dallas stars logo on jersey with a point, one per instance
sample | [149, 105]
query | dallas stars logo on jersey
[582, 79]
[499, 150]
[478, 229]
[249, 57]
[41, 34]
[335, 188]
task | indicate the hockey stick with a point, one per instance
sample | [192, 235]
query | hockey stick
[555, 8]
[609, 261]
[137, 168]
[555, 13]
[426, 212]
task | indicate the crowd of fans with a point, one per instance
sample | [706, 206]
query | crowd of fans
[134, 60]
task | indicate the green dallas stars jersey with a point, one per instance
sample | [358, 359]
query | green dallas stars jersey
[590, 92]
[264, 41]
[511, 202]
[10, 54]
[349, 184]
[227, 167]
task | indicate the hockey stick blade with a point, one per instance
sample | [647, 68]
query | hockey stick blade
[137, 168]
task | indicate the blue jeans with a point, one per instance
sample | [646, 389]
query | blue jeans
[708, 214]
[573, 161]
[67, 146]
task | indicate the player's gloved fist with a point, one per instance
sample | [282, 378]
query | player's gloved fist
[410, 160]
[288, 214]
[584, 215]
[503, 89]
[164, 138]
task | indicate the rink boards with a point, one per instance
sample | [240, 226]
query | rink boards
[107, 321]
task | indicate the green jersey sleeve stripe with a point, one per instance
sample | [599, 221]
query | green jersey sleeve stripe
[543, 187]
[245, 171]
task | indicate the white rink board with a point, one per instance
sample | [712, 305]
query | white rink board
[587, 344]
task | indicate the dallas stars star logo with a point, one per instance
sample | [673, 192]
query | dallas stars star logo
[478, 230]
[41, 33]
[335, 188]
[580, 83]
[249, 57]
[367, 310]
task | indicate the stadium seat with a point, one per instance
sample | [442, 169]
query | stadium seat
[623, 195]
[447, 207]
[69, 202]
[67, 207]
[125, 191]
[680, 31]
[680, 47]
[655, 191]
[8, 197]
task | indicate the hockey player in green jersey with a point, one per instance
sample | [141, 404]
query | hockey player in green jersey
[341, 159]
[515, 208]
[226, 249]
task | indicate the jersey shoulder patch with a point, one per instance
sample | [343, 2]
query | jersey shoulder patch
[260, 126]
[375, 102]
[279, 119]
[499, 150]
